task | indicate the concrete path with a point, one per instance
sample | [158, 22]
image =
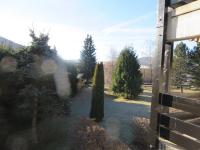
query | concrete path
[117, 114]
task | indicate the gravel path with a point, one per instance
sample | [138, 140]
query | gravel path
[117, 115]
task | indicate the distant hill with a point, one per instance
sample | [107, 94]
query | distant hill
[145, 61]
[9, 43]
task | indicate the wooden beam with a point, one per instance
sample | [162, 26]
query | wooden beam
[183, 115]
[179, 139]
[188, 108]
[184, 22]
[195, 121]
[158, 67]
[186, 9]
[169, 145]
[181, 103]
[178, 3]
[180, 126]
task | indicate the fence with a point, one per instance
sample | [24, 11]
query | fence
[176, 20]
[183, 127]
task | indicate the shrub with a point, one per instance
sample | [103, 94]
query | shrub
[141, 131]
[89, 136]
[97, 106]
[127, 78]
[117, 145]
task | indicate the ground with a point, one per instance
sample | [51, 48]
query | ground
[118, 113]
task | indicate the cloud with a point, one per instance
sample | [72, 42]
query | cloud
[124, 26]
[128, 33]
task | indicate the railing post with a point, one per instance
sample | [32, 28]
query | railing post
[159, 64]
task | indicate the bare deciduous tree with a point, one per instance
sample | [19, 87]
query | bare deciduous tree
[149, 46]
[109, 66]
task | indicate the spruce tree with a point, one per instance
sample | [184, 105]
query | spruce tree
[194, 65]
[97, 104]
[127, 78]
[179, 68]
[88, 58]
[28, 90]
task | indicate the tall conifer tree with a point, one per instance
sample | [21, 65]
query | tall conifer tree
[194, 65]
[179, 71]
[97, 105]
[88, 58]
[127, 78]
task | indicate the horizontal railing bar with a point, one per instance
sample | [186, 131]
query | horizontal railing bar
[179, 139]
[183, 115]
[194, 121]
[185, 104]
[169, 144]
[180, 126]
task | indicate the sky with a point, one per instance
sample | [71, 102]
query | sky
[113, 24]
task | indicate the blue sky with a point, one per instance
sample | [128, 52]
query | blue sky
[113, 24]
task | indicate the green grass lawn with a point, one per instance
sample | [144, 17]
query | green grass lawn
[190, 93]
[128, 101]
[147, 89]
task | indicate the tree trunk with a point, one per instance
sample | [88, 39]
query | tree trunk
[181, 89]
[34, 121]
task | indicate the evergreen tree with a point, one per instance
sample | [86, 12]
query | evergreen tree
[88, 58]
[39, 45]
[97, 104]
[179, 68]
[28, 90]
[194, 65]
[39, 89]
[127, 78]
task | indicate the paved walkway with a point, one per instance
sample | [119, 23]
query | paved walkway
[117, 114]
